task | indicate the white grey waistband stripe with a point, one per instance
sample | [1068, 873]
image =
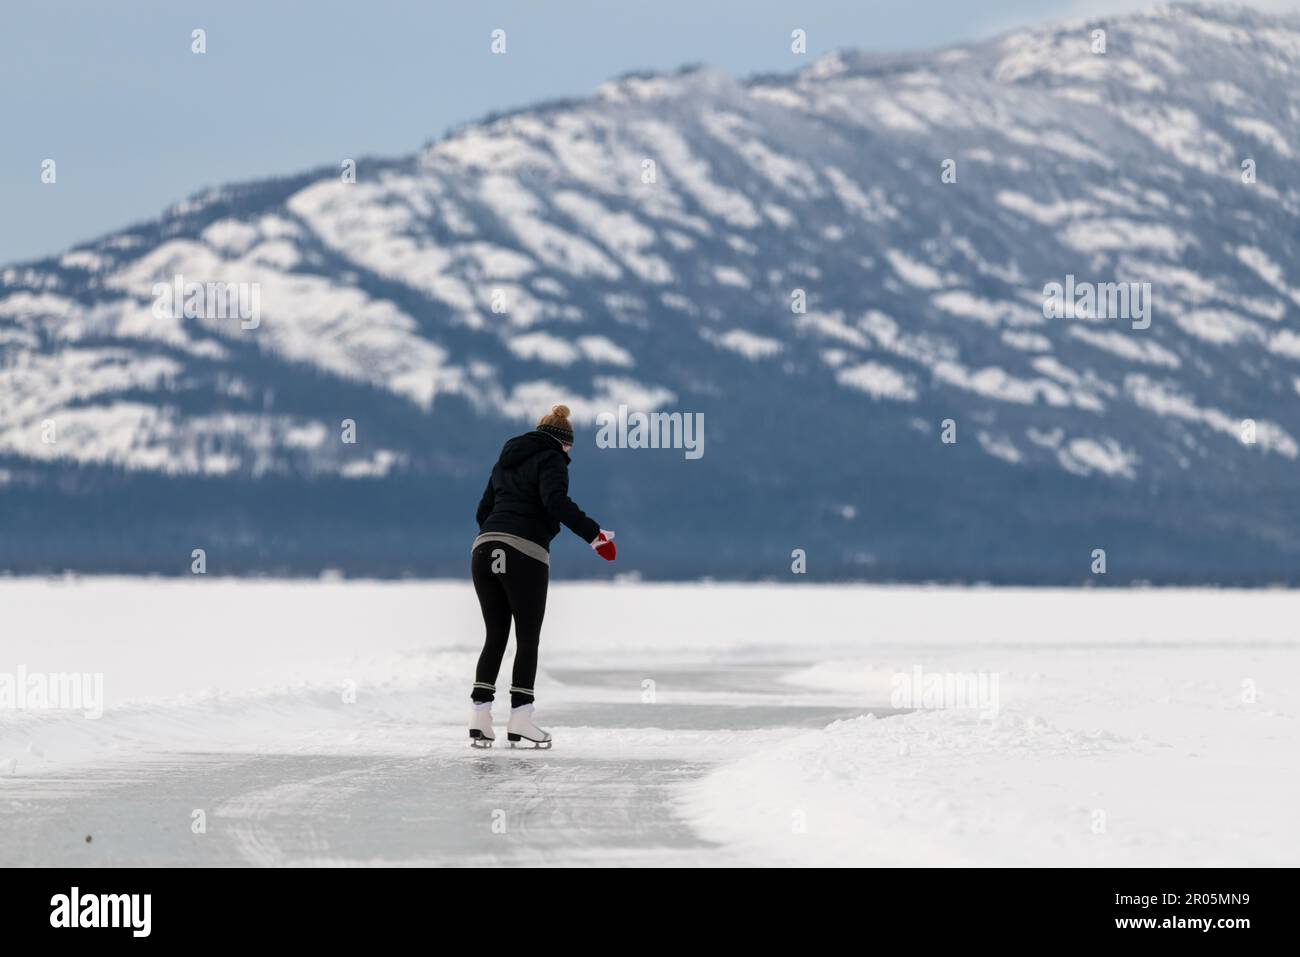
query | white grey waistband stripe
[531, 549]
[514, 690]
[485, 686]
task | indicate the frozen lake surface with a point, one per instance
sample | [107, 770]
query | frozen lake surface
[322, 723]
[583, 800]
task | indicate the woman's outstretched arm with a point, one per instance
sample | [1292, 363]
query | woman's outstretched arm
[553, 483]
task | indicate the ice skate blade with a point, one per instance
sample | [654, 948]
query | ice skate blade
[528, 744]
[477, 739]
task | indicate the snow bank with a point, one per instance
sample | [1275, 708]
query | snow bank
[1168, 740]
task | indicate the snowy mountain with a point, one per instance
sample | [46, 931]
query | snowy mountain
[826, 265]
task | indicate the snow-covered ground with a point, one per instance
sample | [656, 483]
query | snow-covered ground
[731, 724]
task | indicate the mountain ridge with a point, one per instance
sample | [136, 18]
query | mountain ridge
[923, 304]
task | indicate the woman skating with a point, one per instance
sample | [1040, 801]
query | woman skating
[526, 501]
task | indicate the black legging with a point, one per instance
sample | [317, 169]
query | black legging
[516, 588]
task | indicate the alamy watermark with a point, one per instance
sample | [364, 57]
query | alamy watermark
[651, 430]
[1104, 300]
[179, 299]
[74, 909]
[921, 689]
[24, 690]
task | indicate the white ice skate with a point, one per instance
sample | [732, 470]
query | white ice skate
[522, 733]
[480, 727]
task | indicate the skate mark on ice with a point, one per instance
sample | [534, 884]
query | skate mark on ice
[707, 717]
[277, 810]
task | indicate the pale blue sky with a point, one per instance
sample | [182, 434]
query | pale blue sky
[136, 121]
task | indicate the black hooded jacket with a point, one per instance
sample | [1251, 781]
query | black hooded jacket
[528, 493]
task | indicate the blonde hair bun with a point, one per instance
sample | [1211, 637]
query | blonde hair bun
[558, 419]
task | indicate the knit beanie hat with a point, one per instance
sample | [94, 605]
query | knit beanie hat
[557, 424]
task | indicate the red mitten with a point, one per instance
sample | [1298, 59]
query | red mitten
[604, 545]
